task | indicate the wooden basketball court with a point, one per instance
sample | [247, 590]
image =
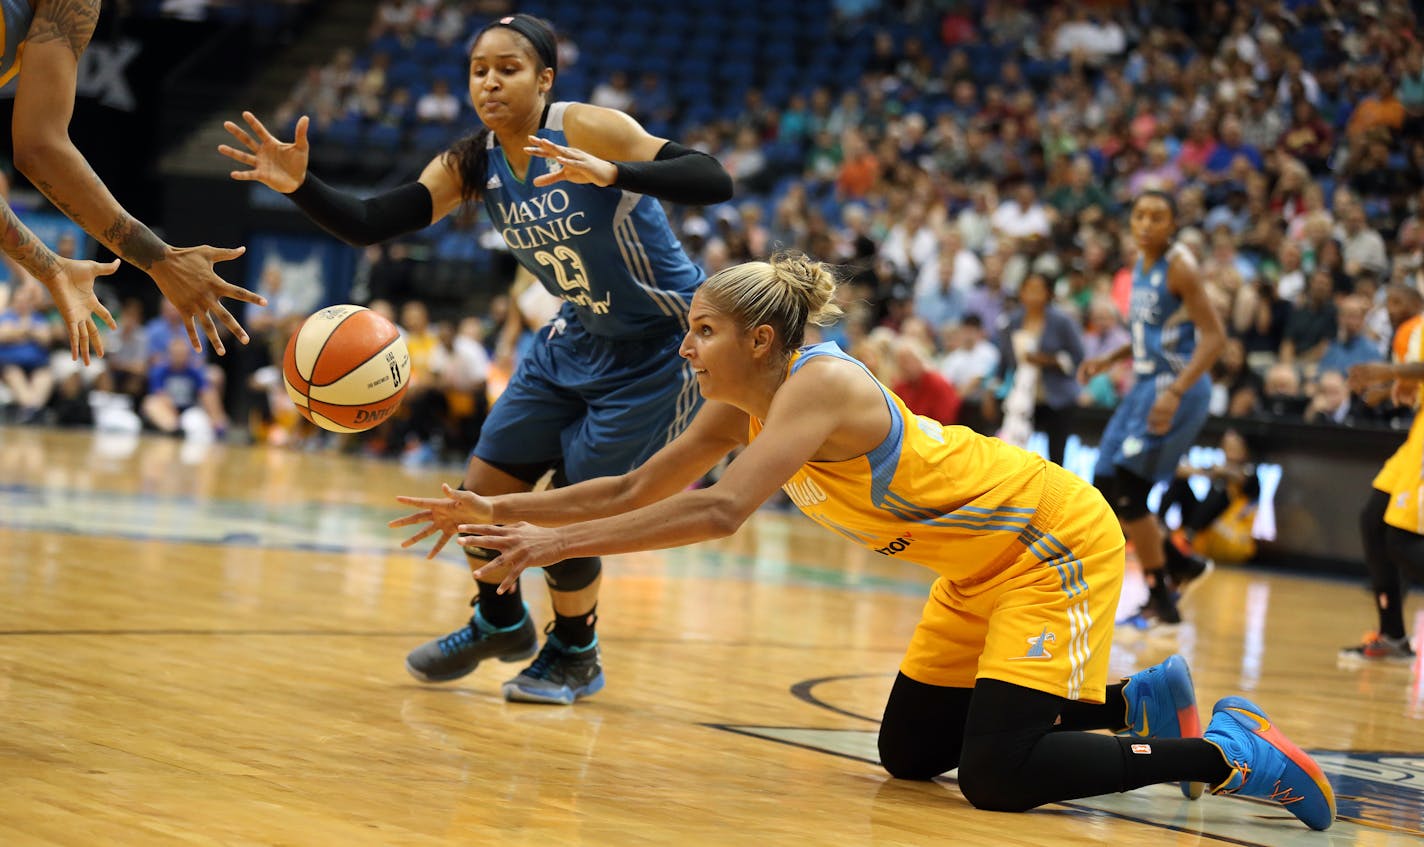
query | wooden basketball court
[206, 647]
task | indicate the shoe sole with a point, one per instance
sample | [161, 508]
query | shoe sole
[1188, 716]
[1359, 661]
[1250, 718]
[506, 658]
[563, 697]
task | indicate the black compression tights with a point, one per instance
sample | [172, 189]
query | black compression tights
[1012, 757]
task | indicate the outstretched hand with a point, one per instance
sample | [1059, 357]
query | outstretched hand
[444, 514]
[72, 290]
[186, 277]
[520, 546]
[574, 164]
[279, 165]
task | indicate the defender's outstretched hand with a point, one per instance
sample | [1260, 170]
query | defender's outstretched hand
[444, 514]
[186, 277]
[72, 290]
[279, 165]
[520, 546]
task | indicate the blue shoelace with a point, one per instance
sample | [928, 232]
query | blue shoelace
[542, 662]
[457, 640]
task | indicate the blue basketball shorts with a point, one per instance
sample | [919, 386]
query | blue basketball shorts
[595, 406]
[1126, 442]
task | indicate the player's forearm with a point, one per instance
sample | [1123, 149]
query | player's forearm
[594, 498]
[1120, 353]
[585, 501]
[62, 174]
[1407, 370]
[24, 247]
[686, 518]
[1209, 347]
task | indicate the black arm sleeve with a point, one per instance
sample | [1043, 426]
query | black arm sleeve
[679, 174]
[363, 222]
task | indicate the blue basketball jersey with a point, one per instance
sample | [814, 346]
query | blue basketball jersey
[15, 19]
[608, 253]
[1163, 336]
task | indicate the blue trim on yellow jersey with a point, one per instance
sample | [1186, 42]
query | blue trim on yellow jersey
[1065, 561]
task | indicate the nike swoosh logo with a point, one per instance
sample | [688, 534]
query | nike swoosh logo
[1262, 725]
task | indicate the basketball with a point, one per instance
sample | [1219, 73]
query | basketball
[346, 369]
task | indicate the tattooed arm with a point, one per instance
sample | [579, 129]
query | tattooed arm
[44, 104]
[70, 283]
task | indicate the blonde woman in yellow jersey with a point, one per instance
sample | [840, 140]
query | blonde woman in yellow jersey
[1009, 662]
[1392, 520]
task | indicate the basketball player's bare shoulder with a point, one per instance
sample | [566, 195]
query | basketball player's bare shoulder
[1180, 256]
[835, 380]
[1182, 267]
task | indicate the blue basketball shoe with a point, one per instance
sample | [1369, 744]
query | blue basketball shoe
[1266, 764]
[1162, 703]
[454, 655]
[559, 674]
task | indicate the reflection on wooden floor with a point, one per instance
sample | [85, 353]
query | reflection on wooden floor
[206, 647]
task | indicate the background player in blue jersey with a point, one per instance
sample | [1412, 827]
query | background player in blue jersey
[1176, 338]
[51, 35]
[573, 189]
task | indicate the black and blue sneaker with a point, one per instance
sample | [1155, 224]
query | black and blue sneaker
[455, 655]
[559, 674]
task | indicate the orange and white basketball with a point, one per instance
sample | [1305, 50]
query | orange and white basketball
[346, 369]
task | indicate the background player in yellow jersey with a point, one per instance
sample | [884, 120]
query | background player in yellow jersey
[1009, 661]
[1391, 523]
[51, 35]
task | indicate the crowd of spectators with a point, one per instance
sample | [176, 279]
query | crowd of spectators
[989, 149]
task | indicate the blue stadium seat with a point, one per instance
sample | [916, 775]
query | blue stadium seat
[383, 138]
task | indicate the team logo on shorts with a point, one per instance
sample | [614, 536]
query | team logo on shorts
[1037, 646]
[1131, 446]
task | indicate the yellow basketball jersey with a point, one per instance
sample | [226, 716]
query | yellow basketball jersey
[15, 19]
[1402, 470]
[945, 497]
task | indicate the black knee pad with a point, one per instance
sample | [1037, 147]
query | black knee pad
[904, 757]
[573, 574]
[1129, 495]
[988, 780]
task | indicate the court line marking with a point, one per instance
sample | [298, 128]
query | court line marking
[742, 729]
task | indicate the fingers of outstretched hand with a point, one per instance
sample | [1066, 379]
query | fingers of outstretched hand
[420, 536]
[211, 330]
[191, 327]
[240, 134]
[95, 340]
[440, 545]
[261, 131]
[234, 292]
[423, 516]
[229, 321]
[238, 155]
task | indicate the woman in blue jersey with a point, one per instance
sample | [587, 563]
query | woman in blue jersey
[1176, 338]
[573, 189]
[1009, 663]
